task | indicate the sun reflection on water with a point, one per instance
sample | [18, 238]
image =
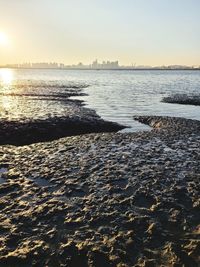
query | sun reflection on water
[6, 80]
[6, 77]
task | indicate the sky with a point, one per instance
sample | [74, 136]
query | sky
[141, 32]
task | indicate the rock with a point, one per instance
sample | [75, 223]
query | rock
[183, 99]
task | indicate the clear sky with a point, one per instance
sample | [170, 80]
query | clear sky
[145, 32]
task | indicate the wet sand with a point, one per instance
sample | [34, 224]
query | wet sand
[105, 199]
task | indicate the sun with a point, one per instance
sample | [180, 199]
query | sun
[3, 39]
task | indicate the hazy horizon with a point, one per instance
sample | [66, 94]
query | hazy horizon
[54, 64]
[137, 32]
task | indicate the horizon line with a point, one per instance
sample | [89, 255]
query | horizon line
[106, 69]
[93, 65]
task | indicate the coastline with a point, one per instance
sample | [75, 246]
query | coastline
[76, 192]
[50, 116]
[106, 199]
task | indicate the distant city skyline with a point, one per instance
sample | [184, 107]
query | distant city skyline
[105, 64]
[145, 32]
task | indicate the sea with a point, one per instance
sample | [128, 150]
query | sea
[116, 95]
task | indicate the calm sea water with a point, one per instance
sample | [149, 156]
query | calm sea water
[115, 95]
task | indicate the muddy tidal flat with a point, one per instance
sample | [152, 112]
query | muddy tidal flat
[104, 199]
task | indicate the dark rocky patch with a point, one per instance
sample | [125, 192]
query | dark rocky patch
[183, 99]
[175, 125]
[23, 133]
[50, 116]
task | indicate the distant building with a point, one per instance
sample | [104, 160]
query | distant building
[95, 64]
[44, 65]
[105, 65]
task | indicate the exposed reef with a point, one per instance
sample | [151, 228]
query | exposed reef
[103, 200]
[183, 99]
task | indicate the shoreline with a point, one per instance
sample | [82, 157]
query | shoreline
[33, 127]
[75, 192]
[104, 199]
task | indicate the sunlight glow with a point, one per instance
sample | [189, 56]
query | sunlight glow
[3, 39]
[6, 76]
